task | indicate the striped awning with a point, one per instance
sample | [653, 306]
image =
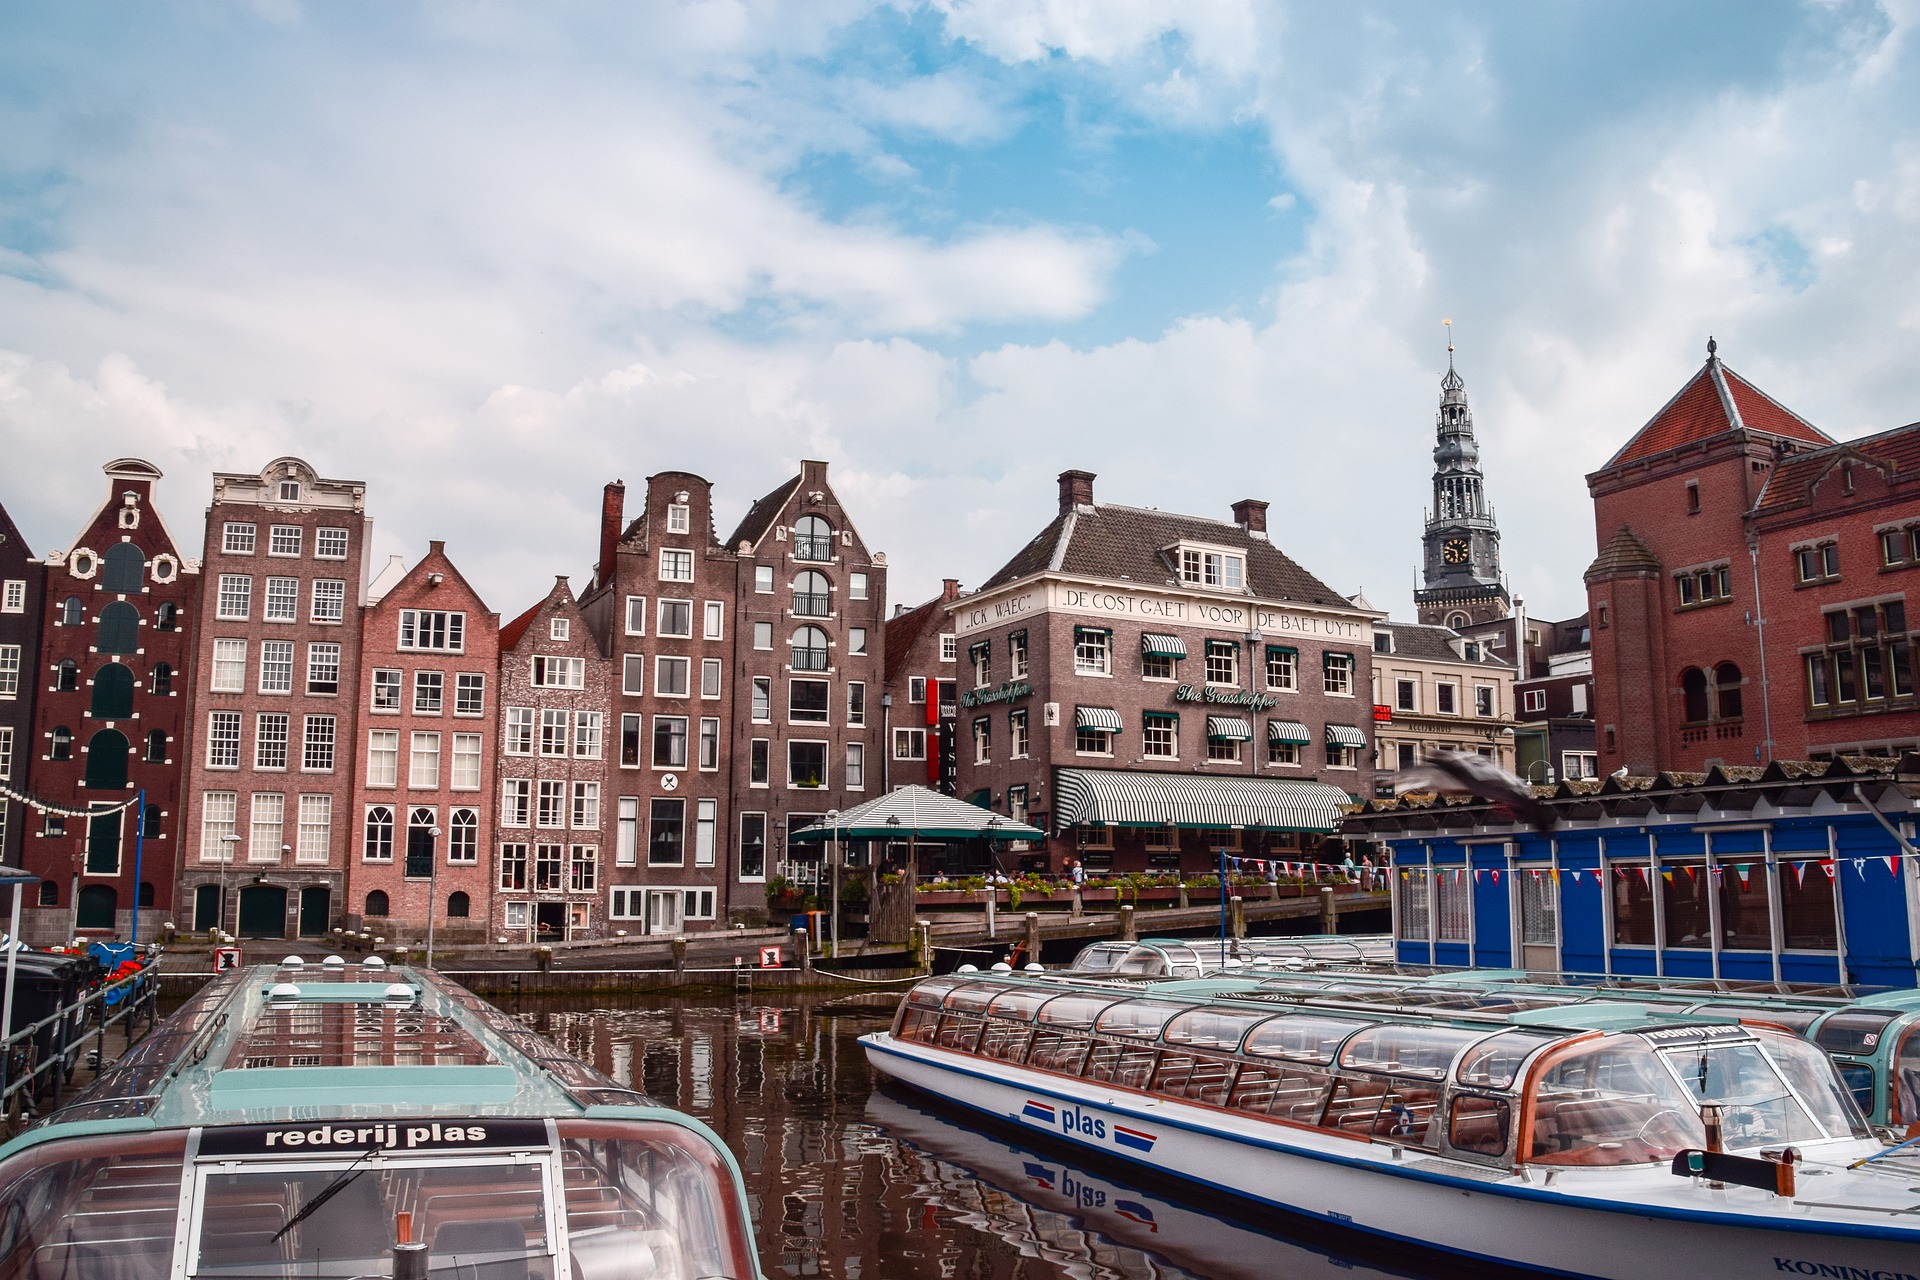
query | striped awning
[1229, 729]
[1345, 735]
[1124, 798]
[1288, 731]
[1154, 646]
[1104, 719]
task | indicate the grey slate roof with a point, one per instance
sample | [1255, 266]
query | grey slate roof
[1419, 642]
[761, 515]
[1115, 543]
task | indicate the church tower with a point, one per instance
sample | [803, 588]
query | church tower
[1462, 542]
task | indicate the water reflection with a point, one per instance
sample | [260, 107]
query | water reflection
[848, 1182]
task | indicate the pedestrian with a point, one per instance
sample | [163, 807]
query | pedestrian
[1078, 872]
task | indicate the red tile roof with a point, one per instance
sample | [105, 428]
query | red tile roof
[1715, 400]
[1792, 480]
[511, 633]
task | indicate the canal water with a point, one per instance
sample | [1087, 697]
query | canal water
[850, 1181]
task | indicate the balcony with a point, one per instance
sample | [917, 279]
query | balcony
[816, 550]
[809, 659]
[808, 604]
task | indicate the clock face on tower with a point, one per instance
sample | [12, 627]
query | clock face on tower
[1454, 551]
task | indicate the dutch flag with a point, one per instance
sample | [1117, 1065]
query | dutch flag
[1133, 1138]
[1038, 1111]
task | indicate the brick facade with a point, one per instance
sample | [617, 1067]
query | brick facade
[921, 694]
[276, 695]
[23, 583]
[116, 655]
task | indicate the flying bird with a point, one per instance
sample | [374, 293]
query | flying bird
[1459, 773]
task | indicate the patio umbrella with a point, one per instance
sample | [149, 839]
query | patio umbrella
[915, 811]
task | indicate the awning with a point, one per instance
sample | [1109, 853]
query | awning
[1154, 646]
[1345, 735]
[1124, 798]
[1229, 729]
[1104, 719]
[1288, 731]
[915, 811]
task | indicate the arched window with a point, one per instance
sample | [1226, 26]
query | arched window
[146, 893]
[112, 693]
[119, 628]
[72, 612]
[157, 747]
[458, 906]
[49, 894]
[1693, 690]
[62, 746]
[1726, 685]
[377, 904]
[66, 676]
[150, 825]
[420, 839]
[167, 616]
[126, 569]
[98, 906]
[162, 679]
[809, 649]
[812, 539]
[107, 753]
[379, 841]
[810, 595]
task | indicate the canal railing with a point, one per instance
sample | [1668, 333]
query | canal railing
[35, 1068]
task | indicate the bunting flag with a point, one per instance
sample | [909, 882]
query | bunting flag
[1621, 872]
[1476, 875]
[1667, 876]
[1826, 865]
[1860, 867]
[1555, 873]
[1645, 877]
[1576, 875]
[1693, 872]
[1744, 872]
[1893, 866]
[1799, 874]
[1496, 875]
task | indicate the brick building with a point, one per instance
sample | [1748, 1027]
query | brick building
[661, 606]
[429, 650]
[809, 666]
[921, 696]
[1148, 685]
[1553, 698]
[23, 582]
[269, 817]
[1748, 601]
[116, 653]
[555, 689]
[1434, 691]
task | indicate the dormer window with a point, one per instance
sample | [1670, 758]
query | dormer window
[289, 491]
[1202, 568]
[679, 519]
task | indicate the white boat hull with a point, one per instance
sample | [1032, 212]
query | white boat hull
[1600, 1224]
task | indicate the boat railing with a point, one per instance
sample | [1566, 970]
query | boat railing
[40, 1064]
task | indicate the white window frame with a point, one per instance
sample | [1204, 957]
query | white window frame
[276, 666]
[636, 613]
[664, 662]
[660, 618]
[286, 541]
[714, 620]
[329, 600]
[678, 559]
[383, 758]
[324, 540]
[238, 538]
[229, 671]
[233, 600]
[423, 747]
[281, 603]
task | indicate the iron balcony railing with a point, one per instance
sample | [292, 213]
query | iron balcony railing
[818, 550]
[809, 659]
[808, 604]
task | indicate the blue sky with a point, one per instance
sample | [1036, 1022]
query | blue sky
[488, 256]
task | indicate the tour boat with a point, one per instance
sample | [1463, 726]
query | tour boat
[1580, 1139]
[355, 1120]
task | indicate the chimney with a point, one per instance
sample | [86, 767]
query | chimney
[1251, 514]
[437, 549]
[613, 507]
[949, 589]
[1076, 490]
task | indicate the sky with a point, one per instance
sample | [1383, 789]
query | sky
[487, 257]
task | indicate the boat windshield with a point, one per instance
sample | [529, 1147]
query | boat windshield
[1903, 1082]
[1750, 1081]
[1609, 1101]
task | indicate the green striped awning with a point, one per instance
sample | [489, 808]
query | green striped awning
[1154, 646]
[1229, 729]
[1288, 731]
[1345, 735]
[1126, 798]
[1104, 719]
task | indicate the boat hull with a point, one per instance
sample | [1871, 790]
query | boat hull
[1620, 1224]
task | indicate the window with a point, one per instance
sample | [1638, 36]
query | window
[811, 595]
[513, 868]
[284, 540]
[676, 619]
[6, 756]
[763, 579]
[1162, 735]
[323, 668]
[235, 600]
[1414, 905]
[633, 674]
[317, 745]
[469, 694]
[10, 670]
[949, 648]
[753, 846]
[630, 730]
[60, 746]
[223, 740]
[270, 740]
[1223, 662]
[423, 764]
[670, 676]
[72, 612]
[669, 742]
[636, 615]
[812, 539]
[666, 830]
[806, 764]
[676, 566]
[276, 665]
[586, 734]
[554, 732]
[229, 666]
[559, 673]
[1337, 669]
[626, 849]
[1092, 651]
[429, 690]
[548, 866]
[386, 689]
[983, 740]
[586, 806]
[856, 586]
[551, 811]
[1483, 703]
[283, 600]
[856, 704]
[714, 626]
[1533, 700]
[856, 775]
[760, 763]
[710, 743]
[1210, 569]
[13, 596]
[1445, 698]
[705, 839]
[856, 642]
[1710, 585]
[162, 675]
[316, 829]
[237, 539]
[710, 677]
[377, 842]
[433, 630]
[807, 701]
[1282, 753]
[383, 757]
[981, 656]
[583, 868]
[1341, 756]
[1093, 742]
[1817, 564]
[916, 689]
[1453, 898]
[330, 544]
[762, 699]
[909, 744]
[466, 762]
[1157, 666]
[1406, 694]
[763, 635]
[516, 802]
[679, 518]
[267, 822]
[1579, 764]
[809, 650]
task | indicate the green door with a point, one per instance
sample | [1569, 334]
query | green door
[314, 911]
[206, 908]
[263, 911]
[98, 907]
[103, 844]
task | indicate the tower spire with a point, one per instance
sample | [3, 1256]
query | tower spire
[1462, 578]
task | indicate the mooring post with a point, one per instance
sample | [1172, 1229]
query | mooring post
[923, 944]
[679, 955]
[1033, 937]
[802, 950]
[1183, 895]
[1126, 923]
[1238, 907]
[1329, 914]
